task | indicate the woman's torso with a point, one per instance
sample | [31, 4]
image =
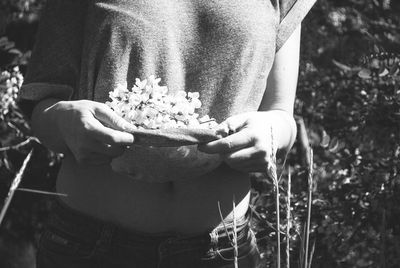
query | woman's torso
[221, 49]
[185, 206]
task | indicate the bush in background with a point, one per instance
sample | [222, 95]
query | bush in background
[349, 98]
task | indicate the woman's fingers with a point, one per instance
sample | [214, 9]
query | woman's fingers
[110, 128]
[248, 144]
[108, 135]
[245, 155]
[242, 151]
[250, 159]
[229, 144]
[109, 118]
[92, 131]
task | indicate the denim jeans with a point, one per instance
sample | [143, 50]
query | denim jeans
[74, 240]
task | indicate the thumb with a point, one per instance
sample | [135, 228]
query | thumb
[109, 118]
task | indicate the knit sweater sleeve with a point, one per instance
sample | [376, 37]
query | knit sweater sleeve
[54, 68]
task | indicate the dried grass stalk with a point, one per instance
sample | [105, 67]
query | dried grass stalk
[14, 185]
[305, 255]
[272, 173]
[233, 240]
[40, 192]
[309, 204]
[289, 182]
[235, 244]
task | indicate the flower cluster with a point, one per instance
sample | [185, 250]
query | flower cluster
[148, 105]
[10, 82]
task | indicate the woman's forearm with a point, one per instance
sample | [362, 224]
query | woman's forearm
[282, 79]
[279, 96]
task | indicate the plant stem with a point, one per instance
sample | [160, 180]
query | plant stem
[289, 182]
[223, 221]
[301, 255]
[19, 145]
[308, 157]
[40, 192]
[233, 241]
[14, 185]
[278, 224]
[235, 245]
[383, 240]
[272, 172]
[311, 255]
[309, 203]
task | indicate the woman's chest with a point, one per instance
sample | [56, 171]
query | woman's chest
[186, 20]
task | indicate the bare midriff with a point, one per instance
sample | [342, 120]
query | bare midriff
[187, 206]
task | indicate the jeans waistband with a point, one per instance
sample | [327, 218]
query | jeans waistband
[91, 230]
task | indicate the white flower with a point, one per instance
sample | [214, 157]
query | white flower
[148, 105]
[119, 92]
[140, 84]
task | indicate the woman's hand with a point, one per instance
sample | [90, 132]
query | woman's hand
[91, 131]
[252, 139]
[250, 143]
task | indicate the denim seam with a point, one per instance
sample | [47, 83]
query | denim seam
[49, 236]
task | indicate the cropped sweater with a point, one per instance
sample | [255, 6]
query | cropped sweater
[222, 49]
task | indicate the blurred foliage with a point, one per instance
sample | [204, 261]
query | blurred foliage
[349, 98]
[24, 219]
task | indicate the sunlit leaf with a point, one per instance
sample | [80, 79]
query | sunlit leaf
[375, 63]
[394, 70]
[383, 71]
[334, 145]
[376, 49]
[365, 74]
[342, 66]
[325, 139]
[15, 51]
[3, 41]
[7, 46]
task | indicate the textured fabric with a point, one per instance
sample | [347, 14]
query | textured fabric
[285, 7]
[222, 49]
[74, 240]
[57, 54]
[173, 137]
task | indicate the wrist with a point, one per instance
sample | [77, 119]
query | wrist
[45, 123]
[285, 129]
